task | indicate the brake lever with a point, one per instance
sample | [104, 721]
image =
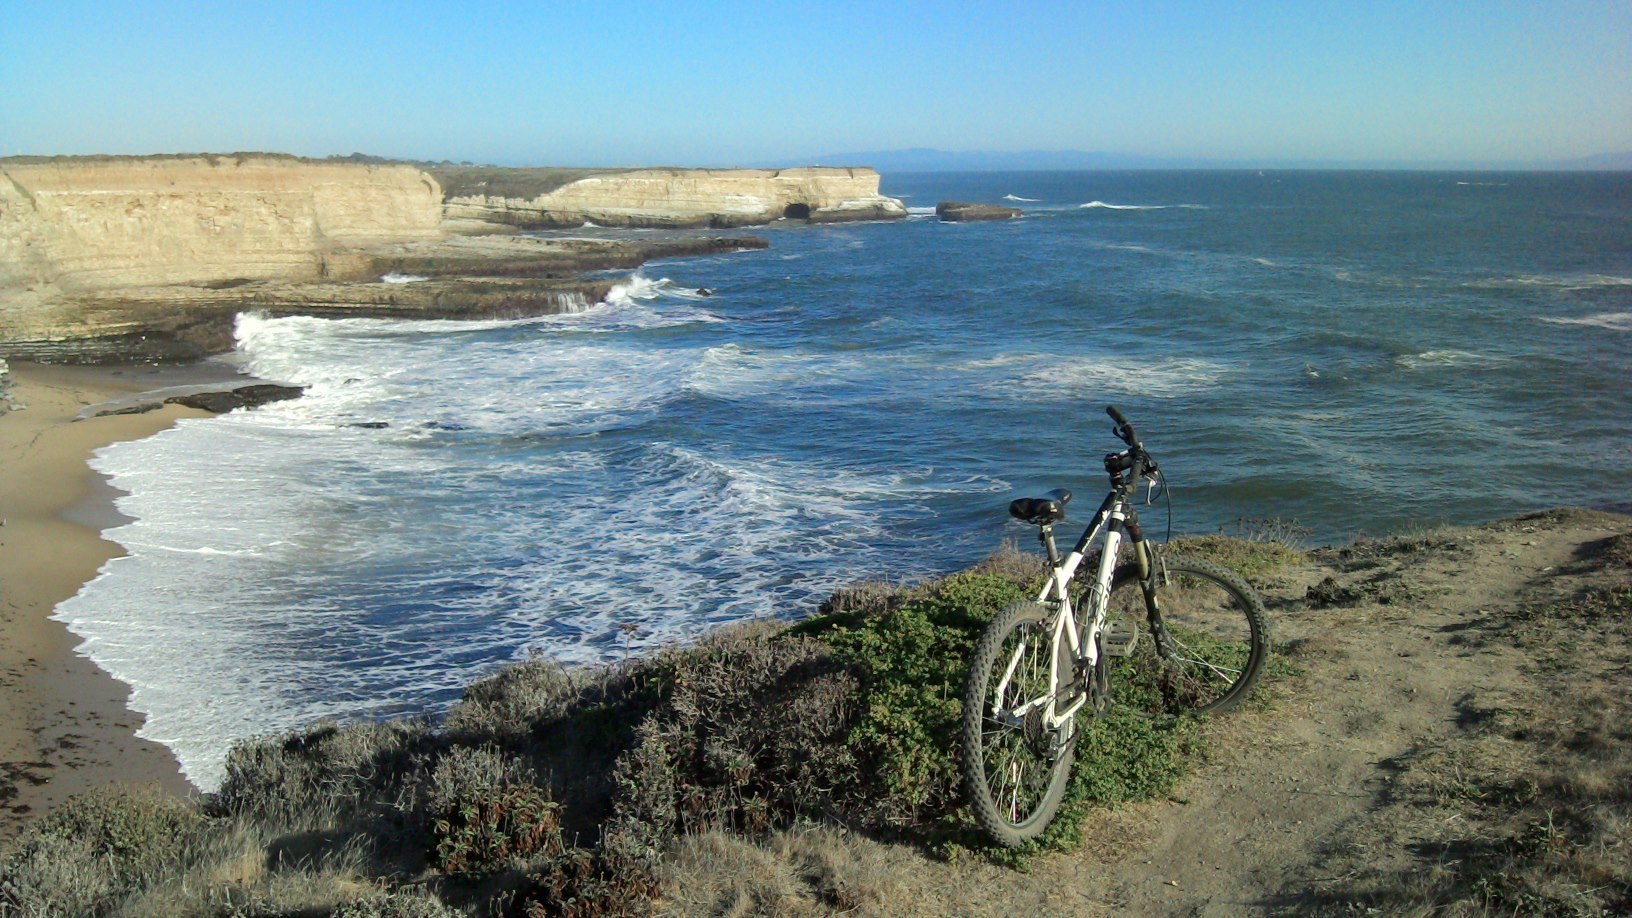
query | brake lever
[1152, 481]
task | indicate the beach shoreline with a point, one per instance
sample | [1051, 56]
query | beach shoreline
[65, 726]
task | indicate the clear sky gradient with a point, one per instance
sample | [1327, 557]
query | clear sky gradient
[707, 82]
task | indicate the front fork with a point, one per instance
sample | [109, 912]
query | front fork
[1152, 576]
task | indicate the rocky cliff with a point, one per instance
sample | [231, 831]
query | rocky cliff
[98, 223]
[669, 198]
[149, 258]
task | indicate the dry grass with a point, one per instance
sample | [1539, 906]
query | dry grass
[1532, 813]
[810, 870]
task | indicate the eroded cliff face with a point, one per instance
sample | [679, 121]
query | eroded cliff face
[95, 224]
[688, 198]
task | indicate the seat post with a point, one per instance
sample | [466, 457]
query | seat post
[1045, 534]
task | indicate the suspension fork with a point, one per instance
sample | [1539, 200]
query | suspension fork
[1151, 574]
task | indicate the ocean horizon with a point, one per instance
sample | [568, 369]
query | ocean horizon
[735, 436]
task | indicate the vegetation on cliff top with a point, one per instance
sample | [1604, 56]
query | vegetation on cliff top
[700, 775]
[556, 791]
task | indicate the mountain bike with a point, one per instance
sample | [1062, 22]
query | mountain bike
[1189, 637]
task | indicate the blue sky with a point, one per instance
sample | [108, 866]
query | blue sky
[722, 83]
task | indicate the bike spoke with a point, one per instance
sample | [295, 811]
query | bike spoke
[1017, 758]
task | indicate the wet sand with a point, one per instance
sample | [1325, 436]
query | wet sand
[64, 724]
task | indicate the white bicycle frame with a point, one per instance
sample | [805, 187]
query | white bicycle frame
[1107, 523]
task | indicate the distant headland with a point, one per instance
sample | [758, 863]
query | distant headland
[106, 258]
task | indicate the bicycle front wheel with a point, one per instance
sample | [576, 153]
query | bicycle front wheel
[1014, 766]
[1199, 647]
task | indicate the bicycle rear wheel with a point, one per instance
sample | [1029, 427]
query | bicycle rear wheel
[1014, 766]
[1199, 648]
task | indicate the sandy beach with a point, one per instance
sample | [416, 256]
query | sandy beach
[64, 724]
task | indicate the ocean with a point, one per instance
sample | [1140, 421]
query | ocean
[734, 436]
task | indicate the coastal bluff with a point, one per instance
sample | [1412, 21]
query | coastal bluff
[664, 198]
[108, 259]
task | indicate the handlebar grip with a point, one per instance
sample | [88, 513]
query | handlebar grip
[1123, 428]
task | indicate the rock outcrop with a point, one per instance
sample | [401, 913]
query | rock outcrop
[667, 198]
[213, 400]
[960, 211]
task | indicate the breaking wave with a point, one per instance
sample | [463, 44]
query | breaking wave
[1613, 321]
[1105, 206]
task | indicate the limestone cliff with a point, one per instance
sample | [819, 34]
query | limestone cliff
[674, 198]
[87, 224]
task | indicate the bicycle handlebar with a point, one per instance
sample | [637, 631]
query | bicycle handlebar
[1136, 461]
[1123, 429]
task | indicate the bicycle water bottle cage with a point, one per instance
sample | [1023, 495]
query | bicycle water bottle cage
[1050, 508]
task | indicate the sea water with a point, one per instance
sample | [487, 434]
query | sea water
[1355, 352]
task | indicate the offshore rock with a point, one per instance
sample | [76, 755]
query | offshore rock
[962, 211]
[215, 401]
[252, 396]
[662, 198]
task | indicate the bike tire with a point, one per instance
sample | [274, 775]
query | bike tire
[1216, 638]
[1014, 782]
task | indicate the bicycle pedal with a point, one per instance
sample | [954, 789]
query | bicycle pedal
[1119, 638]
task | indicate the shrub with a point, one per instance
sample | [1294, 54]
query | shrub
[589, 884]
[514, 700]
[749, 733]
[325, 774]
[913, 661]
[484, 835]
[1262, 547]
[485, 812]
[97, 848]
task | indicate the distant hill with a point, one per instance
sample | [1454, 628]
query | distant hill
[1607, 162]
[924, 159]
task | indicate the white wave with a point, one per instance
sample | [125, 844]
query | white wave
[638, 288]
[1072, 377]
[921, 211]
[265, 543]
[1613, 321]
[734, 371]
[399, 372]
[1127, 247]
[1449, 358]
[1558, 281]
[1105, 206]
[1015, 197]
[398, 278]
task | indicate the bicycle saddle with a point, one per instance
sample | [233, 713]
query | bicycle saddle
[1049, 508]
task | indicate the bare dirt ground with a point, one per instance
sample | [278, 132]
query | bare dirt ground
[1451, 742]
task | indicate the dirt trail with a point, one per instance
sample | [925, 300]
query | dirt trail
[1301, 806]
